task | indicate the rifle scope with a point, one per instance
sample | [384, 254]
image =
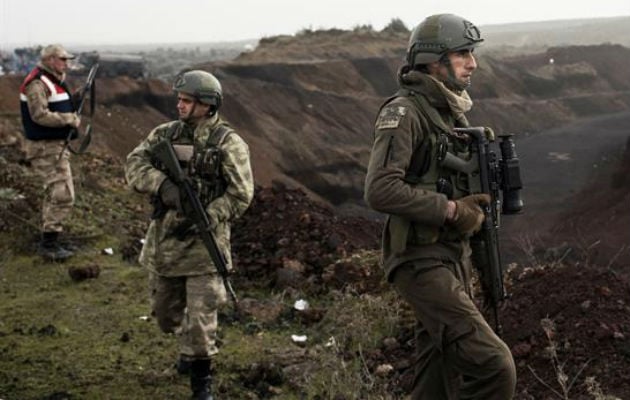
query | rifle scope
[510, 171]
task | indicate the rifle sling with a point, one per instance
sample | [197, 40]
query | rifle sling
[420, 158]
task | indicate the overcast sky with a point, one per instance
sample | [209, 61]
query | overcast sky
[31, 22]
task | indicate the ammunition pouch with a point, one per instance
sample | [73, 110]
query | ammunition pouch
[206, 167]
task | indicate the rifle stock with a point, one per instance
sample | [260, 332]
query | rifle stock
[164, 153]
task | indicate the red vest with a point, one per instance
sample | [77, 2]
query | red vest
[59, 100]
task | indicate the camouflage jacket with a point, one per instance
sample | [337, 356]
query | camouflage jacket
[416, 226]
[163, 252]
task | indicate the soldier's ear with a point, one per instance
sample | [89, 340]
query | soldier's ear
[433, 68]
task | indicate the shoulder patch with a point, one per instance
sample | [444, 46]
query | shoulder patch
[390, 117]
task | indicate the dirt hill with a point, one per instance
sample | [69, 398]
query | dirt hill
[310, 122]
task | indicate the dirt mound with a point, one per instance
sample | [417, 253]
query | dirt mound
[285, 240]
[10, 89]
[579, 320]
[311, 45]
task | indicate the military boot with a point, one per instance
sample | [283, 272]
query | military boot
[200, 380]
[50, 248]
[183, 366]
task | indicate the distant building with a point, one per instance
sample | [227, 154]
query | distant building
[116, 64]
[25, 59]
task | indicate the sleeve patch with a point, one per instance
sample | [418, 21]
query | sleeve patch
[390, 117]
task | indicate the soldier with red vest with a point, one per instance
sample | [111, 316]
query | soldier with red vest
[48, 116]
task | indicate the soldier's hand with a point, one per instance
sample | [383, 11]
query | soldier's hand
[72, 119]
[169, 193]
[468, 215]
[76, 121]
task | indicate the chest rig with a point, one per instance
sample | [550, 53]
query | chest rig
[443, 161]
[201, 159]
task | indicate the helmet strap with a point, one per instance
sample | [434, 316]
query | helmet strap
[211, 109]
[189, 118]
[451, 81]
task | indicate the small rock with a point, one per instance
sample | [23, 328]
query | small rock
[79, 274]
[293, 265]
[384, 369]
[390, 343]
[521, 350]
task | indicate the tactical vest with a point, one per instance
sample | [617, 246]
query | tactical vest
[59, 100]
[202, 164]
[202, 161]
[427, 170]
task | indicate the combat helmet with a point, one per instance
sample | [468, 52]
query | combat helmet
[202, 85]
[438, 35]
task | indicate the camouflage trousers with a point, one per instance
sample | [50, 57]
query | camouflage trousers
[187, 306]
[458, 355]
[56, 174]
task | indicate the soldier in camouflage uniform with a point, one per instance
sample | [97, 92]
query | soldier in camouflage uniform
[48, 116]
[426, 249]
[186, 288]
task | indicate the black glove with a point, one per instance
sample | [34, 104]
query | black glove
[169, 194]
[469, 215]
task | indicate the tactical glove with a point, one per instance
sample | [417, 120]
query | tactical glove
[469, 215]
[169, 194]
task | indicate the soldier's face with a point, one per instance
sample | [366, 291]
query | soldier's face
[463, 64]
[189, 109]
[58, 64]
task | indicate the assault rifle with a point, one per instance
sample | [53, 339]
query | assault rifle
[487, 174]
[88, 91]
[164, 154]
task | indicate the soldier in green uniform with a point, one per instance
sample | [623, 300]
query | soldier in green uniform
[426, 249]
[186, 288]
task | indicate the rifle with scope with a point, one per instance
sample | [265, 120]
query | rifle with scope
[501, 179]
